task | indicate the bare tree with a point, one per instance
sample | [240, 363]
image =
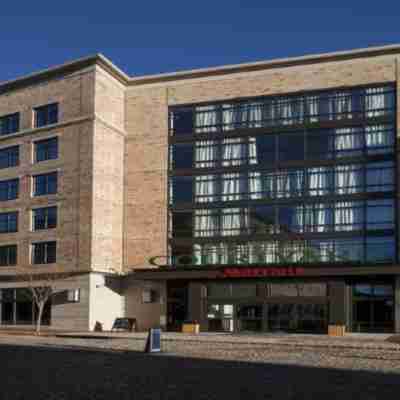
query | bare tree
[41, 287]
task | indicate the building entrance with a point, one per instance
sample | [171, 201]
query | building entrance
[373, 307]
[297, 317]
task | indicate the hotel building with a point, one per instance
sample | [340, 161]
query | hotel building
[251, 197]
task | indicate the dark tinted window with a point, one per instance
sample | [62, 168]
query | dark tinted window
[262, 219]
[9, 189]
[291, 147]
[182, 156]
[182, 224]
[44, 253]
[46, 115]
[45, 184]
[182, 121]
[9, 124]
[8, 255]
[44, 218]
[9, 157]
[320, 146]
[46, 149]
[9, 222]
[266, 149]
[182, 189]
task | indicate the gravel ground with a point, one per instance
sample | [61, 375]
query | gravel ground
[210, 368]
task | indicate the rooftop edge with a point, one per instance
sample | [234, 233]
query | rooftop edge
[109, 66]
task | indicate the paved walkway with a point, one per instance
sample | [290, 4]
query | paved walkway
[351, 340]
[206, 366]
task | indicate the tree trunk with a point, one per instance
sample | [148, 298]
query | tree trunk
[39, 318]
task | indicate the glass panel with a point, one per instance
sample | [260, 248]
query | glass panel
[290, 219]
[349, 250]
[379, 139]
[206, 223]
[206, 119]
[381, 250]
[349, 216]
[380, 214]
[362, 289]
[206, 153]
[181, 121]
[182, 156]
[320, 145]
[348, 179]
[206, 188]
[182, 190]
[182, 224]
[291, 147]
[320, 181]
[219, 290]
[244, 290]
[380, 177]
[265, 149]
[262, 219]
[318, 218]
[234, 186]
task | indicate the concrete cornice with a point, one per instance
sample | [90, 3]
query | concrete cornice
[100, 60]
[65, 70]
[265, 65]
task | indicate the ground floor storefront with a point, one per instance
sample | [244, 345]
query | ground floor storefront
[286, 305]
[217, 302]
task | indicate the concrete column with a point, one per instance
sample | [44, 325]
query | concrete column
[338, 300]
[196, 304]
[397, 305]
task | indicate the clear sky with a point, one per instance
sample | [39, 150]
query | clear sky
[145, 37]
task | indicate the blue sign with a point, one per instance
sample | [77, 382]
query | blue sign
[153, 343]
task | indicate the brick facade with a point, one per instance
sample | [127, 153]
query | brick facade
[113, 159]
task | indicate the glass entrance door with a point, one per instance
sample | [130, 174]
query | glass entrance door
[373, 308]
[250, 317]
[220, 317]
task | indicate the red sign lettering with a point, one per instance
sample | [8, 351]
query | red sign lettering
[261, 272]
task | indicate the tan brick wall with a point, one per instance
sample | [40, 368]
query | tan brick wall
[108, 170]
[147, 132]
[76, 105]
[145, 175]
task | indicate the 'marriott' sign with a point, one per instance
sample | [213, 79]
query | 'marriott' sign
[260, 272]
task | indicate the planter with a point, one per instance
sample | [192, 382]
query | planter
[191, 328]
[336, 330]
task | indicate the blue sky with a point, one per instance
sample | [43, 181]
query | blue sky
[145, 37]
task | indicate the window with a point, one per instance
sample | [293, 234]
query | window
[262, 219]
[46, 115]
[8, 255]
[9, 189]
[182, 156]
[45, 184]
[9, 157]
[18, 308]
[182, 224]
[181, 121]
[9, 222]
[46, 149]
[44, 218]
[9, 124]
[299, 178]
[44, 253]
[181, 189]
[334, 105]
[291, 147]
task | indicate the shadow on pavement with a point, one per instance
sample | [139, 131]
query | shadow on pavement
[46, 373]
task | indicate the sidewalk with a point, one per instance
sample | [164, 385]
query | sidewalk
[351, 340]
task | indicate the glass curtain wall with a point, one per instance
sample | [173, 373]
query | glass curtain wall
[320, 189]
